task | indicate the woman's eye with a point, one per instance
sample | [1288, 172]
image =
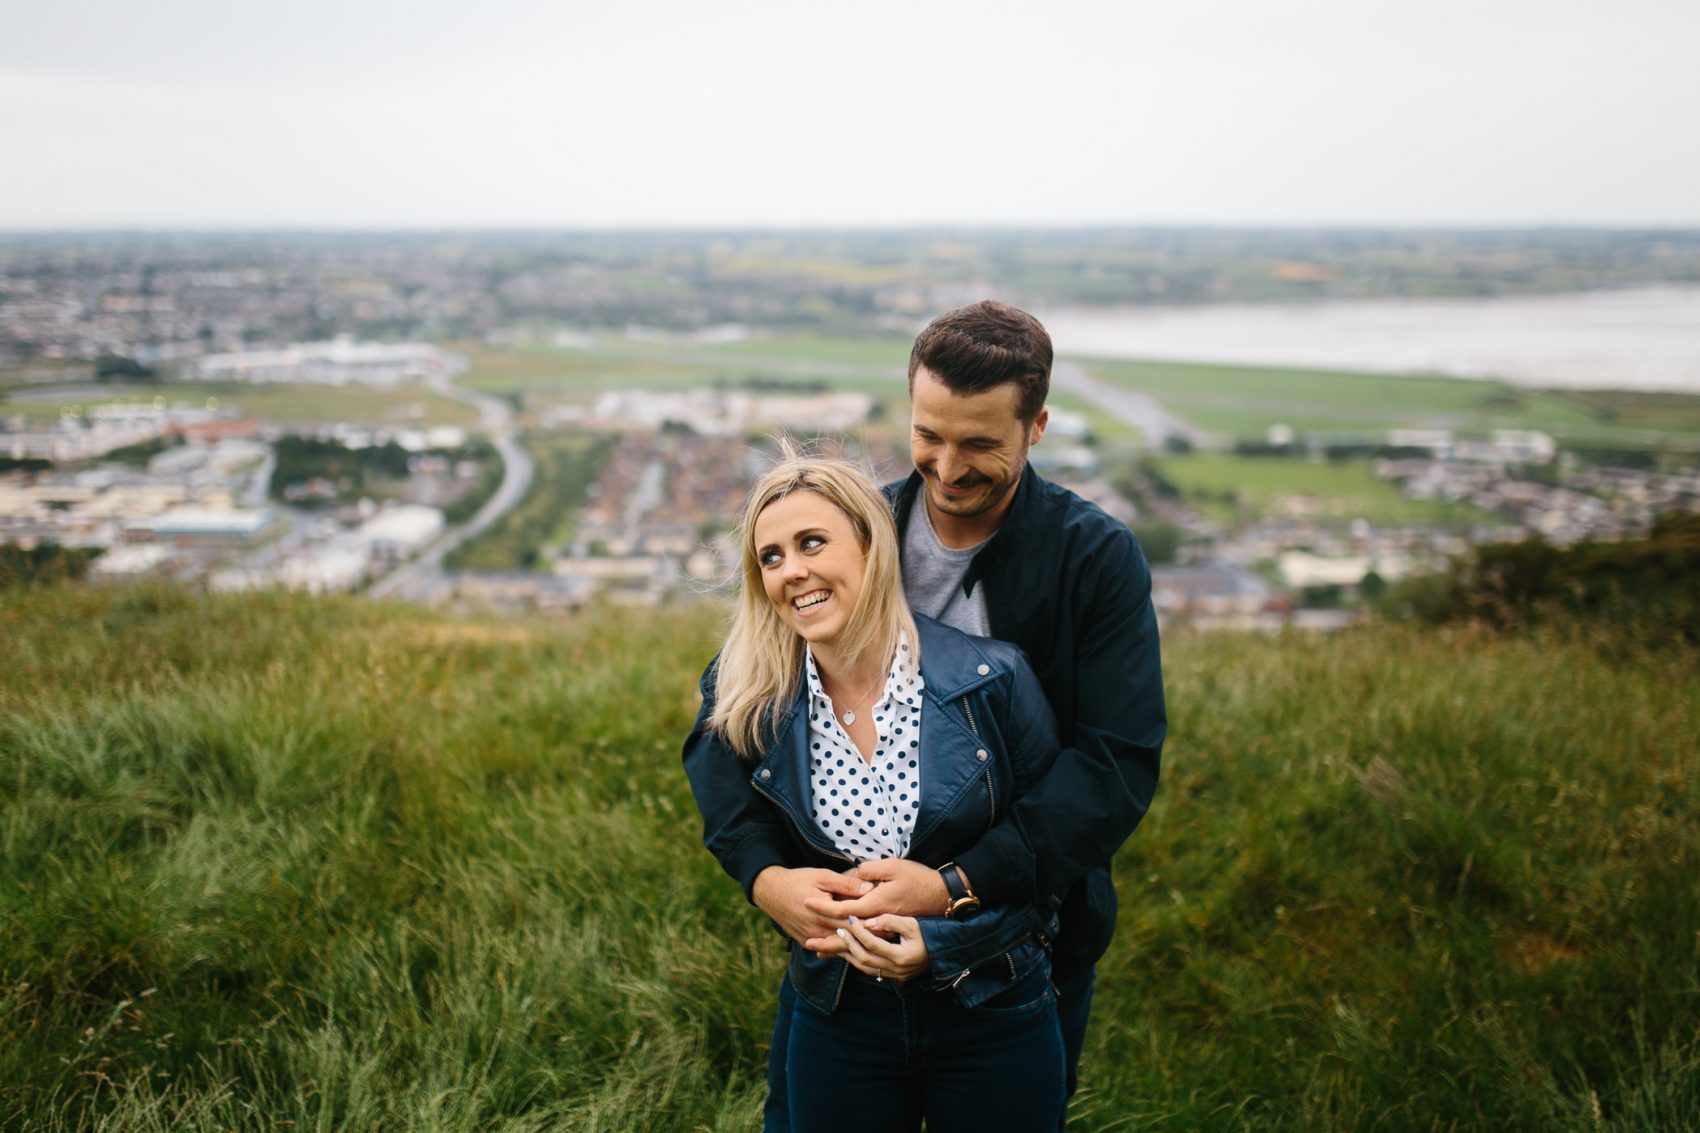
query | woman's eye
[771, 558]
[813, 542]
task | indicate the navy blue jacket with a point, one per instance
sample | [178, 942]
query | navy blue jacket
[986, 736]
[1070, 587]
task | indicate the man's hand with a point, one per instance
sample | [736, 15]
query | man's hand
[901, 888]
[802, 902]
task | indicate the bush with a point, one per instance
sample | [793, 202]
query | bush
[42, 564]
[1640, 588]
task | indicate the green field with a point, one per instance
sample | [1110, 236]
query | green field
[335, 865]
[1243, 401]
[1228, 488]
[287, 404]
[548, 370]
[874, 366]
[887, 354]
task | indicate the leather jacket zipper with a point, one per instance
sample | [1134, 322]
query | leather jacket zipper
[802, 829]
[992, 795]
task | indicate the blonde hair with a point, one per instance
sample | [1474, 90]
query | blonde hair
[762, 659]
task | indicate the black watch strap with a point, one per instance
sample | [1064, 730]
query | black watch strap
[962, 899]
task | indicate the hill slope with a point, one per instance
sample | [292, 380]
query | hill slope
[272, 862]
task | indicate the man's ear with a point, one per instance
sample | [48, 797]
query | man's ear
[1037, 429]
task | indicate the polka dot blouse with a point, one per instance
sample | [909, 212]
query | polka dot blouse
[868, 809]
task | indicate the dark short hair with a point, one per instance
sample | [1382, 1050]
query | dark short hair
[983, 345]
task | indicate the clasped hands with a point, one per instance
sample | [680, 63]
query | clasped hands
[866, 914]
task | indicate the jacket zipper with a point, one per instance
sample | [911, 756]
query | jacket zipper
[992, 795]
[802, 830]
[843, 974]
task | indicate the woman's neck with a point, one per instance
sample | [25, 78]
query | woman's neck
[843, 678]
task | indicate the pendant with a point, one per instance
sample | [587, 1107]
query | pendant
[849, 716]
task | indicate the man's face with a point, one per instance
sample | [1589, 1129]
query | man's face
[970, 448]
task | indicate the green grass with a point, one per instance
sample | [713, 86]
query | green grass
[307, 404]
[268, 862]
[1245, 400]
[1230, 487]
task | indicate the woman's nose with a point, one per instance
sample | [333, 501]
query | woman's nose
[795, 567]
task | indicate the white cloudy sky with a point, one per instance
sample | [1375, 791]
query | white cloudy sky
[215, 113]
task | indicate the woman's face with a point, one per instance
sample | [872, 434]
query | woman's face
[811, 564]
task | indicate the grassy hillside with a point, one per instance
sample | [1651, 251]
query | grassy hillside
[268, 862]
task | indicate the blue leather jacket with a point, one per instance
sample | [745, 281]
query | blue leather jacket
[987, 734]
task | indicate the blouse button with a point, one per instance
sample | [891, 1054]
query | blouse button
[980, 755]
[766, 774]
[984, 669]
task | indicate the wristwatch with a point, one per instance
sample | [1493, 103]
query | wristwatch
[962, 899]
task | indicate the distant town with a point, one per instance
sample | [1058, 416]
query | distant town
[541, 437]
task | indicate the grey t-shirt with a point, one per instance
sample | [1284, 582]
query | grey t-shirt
[932, 577]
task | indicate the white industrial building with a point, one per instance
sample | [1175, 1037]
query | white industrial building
[720, 413]
[401, 532]
[338, 362]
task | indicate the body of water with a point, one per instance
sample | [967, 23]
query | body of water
[1639, 339]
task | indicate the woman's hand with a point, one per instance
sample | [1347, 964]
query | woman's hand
[868, 950]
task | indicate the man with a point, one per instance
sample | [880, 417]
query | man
[991, 548]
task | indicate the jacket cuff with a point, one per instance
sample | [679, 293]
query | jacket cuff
[996, 878]
[748, 858]
[956, 947]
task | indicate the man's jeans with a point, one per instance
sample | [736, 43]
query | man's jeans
[1074, 1007]
[894, 1054]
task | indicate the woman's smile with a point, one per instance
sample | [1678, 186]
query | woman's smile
[811, 564]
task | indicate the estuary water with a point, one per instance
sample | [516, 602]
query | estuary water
[1647, 338]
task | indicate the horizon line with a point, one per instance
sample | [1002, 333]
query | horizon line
[816, 228]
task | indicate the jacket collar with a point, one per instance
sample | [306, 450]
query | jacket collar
[949, 668]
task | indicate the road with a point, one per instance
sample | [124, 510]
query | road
[422, 578]
[256, 495]
[1136, 409]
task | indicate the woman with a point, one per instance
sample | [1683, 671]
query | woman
[875, 734]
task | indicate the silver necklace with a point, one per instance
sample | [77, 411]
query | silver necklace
[849, 714]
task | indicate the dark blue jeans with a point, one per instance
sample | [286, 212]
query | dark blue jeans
[894, 1055]
[1074, 1007]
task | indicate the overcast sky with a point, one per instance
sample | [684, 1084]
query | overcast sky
[216, 114]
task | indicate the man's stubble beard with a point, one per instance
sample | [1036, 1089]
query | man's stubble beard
[968, 509]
